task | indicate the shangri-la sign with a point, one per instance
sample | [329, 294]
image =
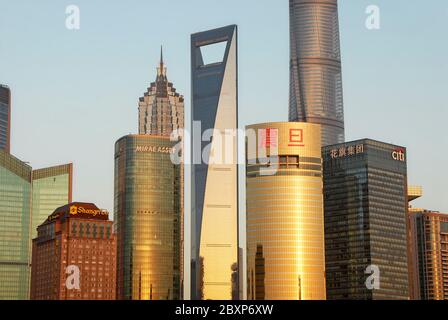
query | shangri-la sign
[75, 210]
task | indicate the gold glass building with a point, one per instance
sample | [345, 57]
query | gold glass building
[15, 221]
[147, 214]
[52, 188]
[284, 208]
[25, 197]
[414, 192]
[161, 113]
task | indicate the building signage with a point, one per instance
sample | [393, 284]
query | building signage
[75, 210]
[346, 151]
[53, 216]
[148, 212]
[154, 149]
[80, 212]
[296, 138]
[399, 155]
[269, 138]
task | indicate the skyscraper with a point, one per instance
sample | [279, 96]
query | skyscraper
[52, 188]
[429, 232]
[214, 191]
[366, 205]
[315, 67]
[284, 213]
[76, 240]
[5, 118]
[161, 112]
[147, 214]
[25, 196]
[161, 109]
[414, 192]
[15, 217]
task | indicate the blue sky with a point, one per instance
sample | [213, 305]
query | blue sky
[76, 92]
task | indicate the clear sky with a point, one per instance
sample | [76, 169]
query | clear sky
[76, 92]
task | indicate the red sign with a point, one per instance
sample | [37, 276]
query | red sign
[296, 138]
[399, 155]
[268, 138]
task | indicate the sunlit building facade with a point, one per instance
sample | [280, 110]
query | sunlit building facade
[15, 220]
[214, 189]
[161, 109]
[161, 113]
[5, 118]
[315, 67]
[74, 255]
[147, 214]
[366, 206]
[52, 188]
[284, 209]
[430, 240]
[414, 192]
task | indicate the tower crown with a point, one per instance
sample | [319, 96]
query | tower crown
[161, 107]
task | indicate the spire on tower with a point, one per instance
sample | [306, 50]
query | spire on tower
[161, 70]
[161, 55]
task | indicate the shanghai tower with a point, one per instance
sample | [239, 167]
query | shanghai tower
[315, 67]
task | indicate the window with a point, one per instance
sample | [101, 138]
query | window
[444, 227]
[213, 53]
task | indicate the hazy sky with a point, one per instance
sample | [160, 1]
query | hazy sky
[76, 92]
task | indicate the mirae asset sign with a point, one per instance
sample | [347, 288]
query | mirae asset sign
[154, 149]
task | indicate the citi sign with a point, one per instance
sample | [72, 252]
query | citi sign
[399, 155]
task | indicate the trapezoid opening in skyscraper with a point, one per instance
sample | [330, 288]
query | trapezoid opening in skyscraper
[214, 217]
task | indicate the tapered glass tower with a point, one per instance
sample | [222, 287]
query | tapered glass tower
[214, 191]
[315, 67]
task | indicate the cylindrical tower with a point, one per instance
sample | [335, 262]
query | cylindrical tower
[316, 94]
[285, 226]
[148, 219]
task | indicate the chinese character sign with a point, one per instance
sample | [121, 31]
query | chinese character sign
[296, 138]
[268, 138]
[346, 151]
